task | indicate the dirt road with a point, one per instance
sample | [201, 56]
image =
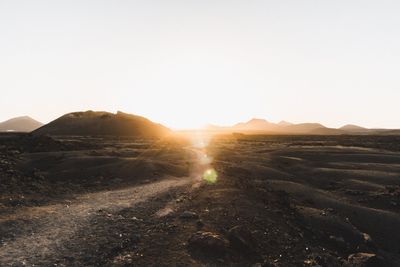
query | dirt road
[43, 235]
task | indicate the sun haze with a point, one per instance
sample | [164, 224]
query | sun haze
[188, 63]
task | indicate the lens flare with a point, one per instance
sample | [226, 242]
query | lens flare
[210, 176]
[200, 140]
[205, 159]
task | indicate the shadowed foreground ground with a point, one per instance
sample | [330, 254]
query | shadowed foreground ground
[277, 201]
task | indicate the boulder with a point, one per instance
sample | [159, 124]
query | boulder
[366, 260]
[189, 215]
[208, 243]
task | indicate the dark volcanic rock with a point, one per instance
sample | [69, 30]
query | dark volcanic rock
[366, 260]
[189, 215]
[207, 243]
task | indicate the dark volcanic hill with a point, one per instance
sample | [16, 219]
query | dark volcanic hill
[20, 124]
[98, 123]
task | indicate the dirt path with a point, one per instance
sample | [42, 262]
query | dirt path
[39, 233]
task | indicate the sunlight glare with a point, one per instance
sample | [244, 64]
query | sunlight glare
[210, 176]
[200, 140]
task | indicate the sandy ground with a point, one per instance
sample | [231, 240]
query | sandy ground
[44, 232]
[299, 201]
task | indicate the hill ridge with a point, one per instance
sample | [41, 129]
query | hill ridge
[20, 124]
[99, 123]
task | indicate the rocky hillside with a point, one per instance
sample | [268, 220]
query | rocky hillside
[103, 124]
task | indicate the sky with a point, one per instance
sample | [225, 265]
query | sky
[188, 63]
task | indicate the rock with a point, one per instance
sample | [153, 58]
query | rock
[366, 260]
[367, 238]
[188, 215]
[241, 239]
[210, 244]
[326, 260]
[136, 219]
[331, 210]
[200, 224]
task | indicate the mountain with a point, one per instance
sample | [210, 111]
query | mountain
[20, 124]
[353, 128]
[327, 131]
[284, 123]
[261, 126]
[302, 128]
[255, 125]
[99, 123]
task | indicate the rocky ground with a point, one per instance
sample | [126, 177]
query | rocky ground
[229, 201]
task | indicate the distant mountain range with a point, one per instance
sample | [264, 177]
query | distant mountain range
[98, 123]
[122, 124]
[262, 126]
[20, 124]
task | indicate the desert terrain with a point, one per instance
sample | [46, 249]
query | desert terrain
[228, 200]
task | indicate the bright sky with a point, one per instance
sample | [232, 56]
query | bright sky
[187, 63]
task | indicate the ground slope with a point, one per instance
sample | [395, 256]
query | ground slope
[276, 201]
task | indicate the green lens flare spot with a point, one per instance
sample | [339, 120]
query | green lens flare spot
[210, 176]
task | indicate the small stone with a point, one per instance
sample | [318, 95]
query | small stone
[367, 238]
[189, 215]
[366, 260]
[200, 224]
[208, 243]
